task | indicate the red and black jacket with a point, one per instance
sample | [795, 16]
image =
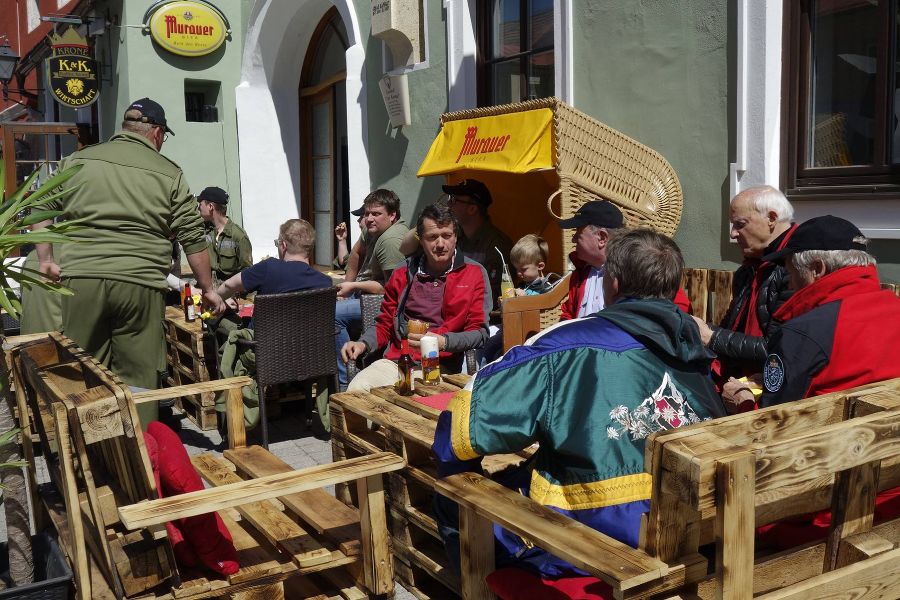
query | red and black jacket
[837, 333]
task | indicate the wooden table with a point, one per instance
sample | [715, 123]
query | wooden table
[405, 427]
[191, 358]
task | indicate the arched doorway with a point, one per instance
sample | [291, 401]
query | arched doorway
[324, 173]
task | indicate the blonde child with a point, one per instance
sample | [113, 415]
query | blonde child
[529, 258]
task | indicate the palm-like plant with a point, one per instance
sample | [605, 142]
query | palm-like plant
[19, 211]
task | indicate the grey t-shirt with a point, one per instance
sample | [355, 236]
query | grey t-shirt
[383, 254]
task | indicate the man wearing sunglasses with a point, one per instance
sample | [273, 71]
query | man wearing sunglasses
[133, 200]
[469, 201]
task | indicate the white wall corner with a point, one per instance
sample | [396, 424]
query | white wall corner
[461, 54]
[563, 59]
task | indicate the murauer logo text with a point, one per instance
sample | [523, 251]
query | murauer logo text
[173, 26]
[475, 145]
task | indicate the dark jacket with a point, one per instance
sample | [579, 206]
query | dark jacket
[729, 340]
[837, 333]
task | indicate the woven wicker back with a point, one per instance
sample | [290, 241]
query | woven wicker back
[294, 336]
[370, 305]
[594, 161]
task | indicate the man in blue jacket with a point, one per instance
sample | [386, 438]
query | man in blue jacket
[588, 392]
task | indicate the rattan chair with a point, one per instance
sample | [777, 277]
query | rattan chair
[294, 341]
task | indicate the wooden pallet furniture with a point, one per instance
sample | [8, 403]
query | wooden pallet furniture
[191, 358]
[405, 427]
[307, 544]
[714, 483]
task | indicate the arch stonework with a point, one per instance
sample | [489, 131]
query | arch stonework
[267, 106]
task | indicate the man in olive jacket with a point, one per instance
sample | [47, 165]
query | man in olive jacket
[132, 200]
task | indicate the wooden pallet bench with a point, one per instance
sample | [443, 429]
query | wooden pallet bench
[715, 483]
[406, 428]
[293, 539]
[191, 358]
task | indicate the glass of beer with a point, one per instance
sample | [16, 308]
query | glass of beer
[431, 365]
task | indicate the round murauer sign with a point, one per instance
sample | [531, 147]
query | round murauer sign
[187, 28]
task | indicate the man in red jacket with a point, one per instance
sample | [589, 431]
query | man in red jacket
[438, 286]
[839, 329]
[593, 224]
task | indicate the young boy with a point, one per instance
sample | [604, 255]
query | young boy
[528, 258]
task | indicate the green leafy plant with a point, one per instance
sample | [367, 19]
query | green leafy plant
[19, 211]
[10, 438]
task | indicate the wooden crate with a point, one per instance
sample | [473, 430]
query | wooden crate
[191, 358]
[405, 428]
[112, 522]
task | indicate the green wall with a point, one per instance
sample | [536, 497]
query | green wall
[658, 72]
[396, 153]
[207, 152]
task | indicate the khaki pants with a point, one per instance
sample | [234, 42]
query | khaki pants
[122, 325]
[381, 372]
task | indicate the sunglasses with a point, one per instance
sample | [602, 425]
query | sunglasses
[451, 200]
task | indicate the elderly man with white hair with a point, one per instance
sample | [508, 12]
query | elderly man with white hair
[760, 224]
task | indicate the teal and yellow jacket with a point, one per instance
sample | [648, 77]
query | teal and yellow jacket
[588, 392]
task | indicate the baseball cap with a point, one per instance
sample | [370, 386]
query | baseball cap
[600, 213]
[214, 194]
[821, 233]
[472, 188]
[359, 211]
[151, 112]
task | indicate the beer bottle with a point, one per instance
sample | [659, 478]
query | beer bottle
[187, 302]
[405, 385]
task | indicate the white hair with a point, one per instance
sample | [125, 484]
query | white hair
[765, 199]
[833, 259]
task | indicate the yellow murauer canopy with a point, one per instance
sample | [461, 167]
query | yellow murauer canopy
[518, 142]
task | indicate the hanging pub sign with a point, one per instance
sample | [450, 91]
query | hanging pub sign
[186, 28]
[72, 73]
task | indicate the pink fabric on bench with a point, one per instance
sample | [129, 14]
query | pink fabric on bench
[510, 583]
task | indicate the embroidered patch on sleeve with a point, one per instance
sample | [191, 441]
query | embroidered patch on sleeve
[773, 373]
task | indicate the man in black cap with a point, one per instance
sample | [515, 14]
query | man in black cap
[840, 329]
[592, 223]
[469, 201]
[230, 251]
[133, 200]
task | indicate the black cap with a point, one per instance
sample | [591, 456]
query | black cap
[821, 233]
[600, 213]
[214, 194]
[471, 188]
[359, 211]
[151, 112]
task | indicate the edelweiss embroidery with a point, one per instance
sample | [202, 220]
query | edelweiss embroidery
[666, 408]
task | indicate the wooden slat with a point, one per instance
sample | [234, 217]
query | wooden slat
[264, 488]
[476, 554]
[875, 578]
[734, 527]
[190, 389]
[378, 571]
[328, 515]
[413, 426]
[409, 404]
[695, 284]
[256, 560]
[606, 558]
[234, 418]
[460, 380]
[278, 528]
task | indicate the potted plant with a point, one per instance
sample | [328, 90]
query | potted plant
[19, 210]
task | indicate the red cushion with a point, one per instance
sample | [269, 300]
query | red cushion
[184, 554]
[206, 534]
[517, 584]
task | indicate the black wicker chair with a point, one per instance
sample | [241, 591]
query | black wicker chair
[371, 306]
[294, 341]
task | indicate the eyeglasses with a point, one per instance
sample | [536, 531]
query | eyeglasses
[277, 241]
[451, 200]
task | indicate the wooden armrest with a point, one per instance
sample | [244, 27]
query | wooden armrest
[154, 512]
[217, 385]
[612, 561]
